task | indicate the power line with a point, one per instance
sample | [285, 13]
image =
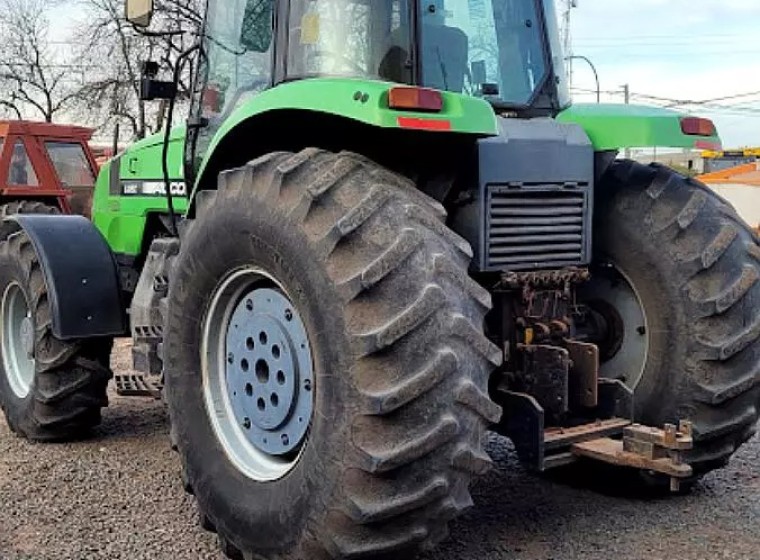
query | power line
[674, 41]
[708, 104]
[729, 97]
[605, 53]
[637, 37]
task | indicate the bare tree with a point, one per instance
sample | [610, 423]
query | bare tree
[114, 52]
[34, 80]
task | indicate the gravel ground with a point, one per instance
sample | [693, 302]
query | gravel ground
[118, 496]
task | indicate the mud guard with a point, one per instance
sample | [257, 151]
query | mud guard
[81, 276]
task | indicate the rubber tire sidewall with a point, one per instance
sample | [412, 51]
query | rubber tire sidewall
[18, 410]
[643, 264]
[280, 510]
[667, 233]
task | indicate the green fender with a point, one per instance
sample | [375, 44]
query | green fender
[365, 101]
[612, 127]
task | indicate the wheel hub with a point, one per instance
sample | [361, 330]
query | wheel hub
[268, 374]
[258, 376]
[17, 341]
[625, 341]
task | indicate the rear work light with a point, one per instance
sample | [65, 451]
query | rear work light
[695, 126]
[415, 99]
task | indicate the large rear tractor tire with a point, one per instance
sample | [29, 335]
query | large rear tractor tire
[22, 207]
[682, 272]
[50, 390]
[326, 368]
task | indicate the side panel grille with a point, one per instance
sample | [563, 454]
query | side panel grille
[537, 226]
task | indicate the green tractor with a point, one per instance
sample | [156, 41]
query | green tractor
[384, 230]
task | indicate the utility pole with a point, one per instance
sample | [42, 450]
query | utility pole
[567, 37]
[627, 95]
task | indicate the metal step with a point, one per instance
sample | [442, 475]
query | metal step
[138, 385]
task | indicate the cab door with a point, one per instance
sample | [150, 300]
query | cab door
[236, 62]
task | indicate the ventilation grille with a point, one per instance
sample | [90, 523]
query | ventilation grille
[537, 226]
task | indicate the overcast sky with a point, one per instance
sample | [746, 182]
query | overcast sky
[676, 49]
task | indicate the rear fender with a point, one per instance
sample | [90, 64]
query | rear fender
[81, 276]
[614, 127]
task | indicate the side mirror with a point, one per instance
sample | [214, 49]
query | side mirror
[150, 88]
[139, 12]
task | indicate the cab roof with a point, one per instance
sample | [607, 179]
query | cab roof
[47, 130]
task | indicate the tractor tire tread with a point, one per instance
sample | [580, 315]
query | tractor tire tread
[715, 254]
[71, 377]
[343, 202]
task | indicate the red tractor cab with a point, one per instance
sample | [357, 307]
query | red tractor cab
[45, 168]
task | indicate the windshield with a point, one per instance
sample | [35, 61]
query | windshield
[362, 38]
[71, 164]
[238, 44]
[486, 48]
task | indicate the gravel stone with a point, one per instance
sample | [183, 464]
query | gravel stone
[118, 496]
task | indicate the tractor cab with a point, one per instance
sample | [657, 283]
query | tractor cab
[47, 163]
[503, 51]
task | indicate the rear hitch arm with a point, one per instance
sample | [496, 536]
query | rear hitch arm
[645, 448]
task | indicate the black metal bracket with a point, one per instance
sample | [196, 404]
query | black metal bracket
[541, 449]
[151, 89]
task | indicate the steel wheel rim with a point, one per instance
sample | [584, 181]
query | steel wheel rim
[617, 289]
[17, 341]
[258, 378]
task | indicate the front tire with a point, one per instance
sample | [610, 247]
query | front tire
[400, 363]
[50, 390]
[694, 267]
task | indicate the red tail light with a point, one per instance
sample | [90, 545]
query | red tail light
[695, 126]
[424, 124]
[415, 99]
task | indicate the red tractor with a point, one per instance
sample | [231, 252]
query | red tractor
[45, 169]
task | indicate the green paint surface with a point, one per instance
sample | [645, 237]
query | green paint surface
[121, 219]
[612, 127]
[365, 101]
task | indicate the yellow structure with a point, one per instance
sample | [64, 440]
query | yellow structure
[740, 153]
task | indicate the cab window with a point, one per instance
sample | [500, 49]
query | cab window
[71, 164]
[239, 38]
[357, 38]
[21, 172]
